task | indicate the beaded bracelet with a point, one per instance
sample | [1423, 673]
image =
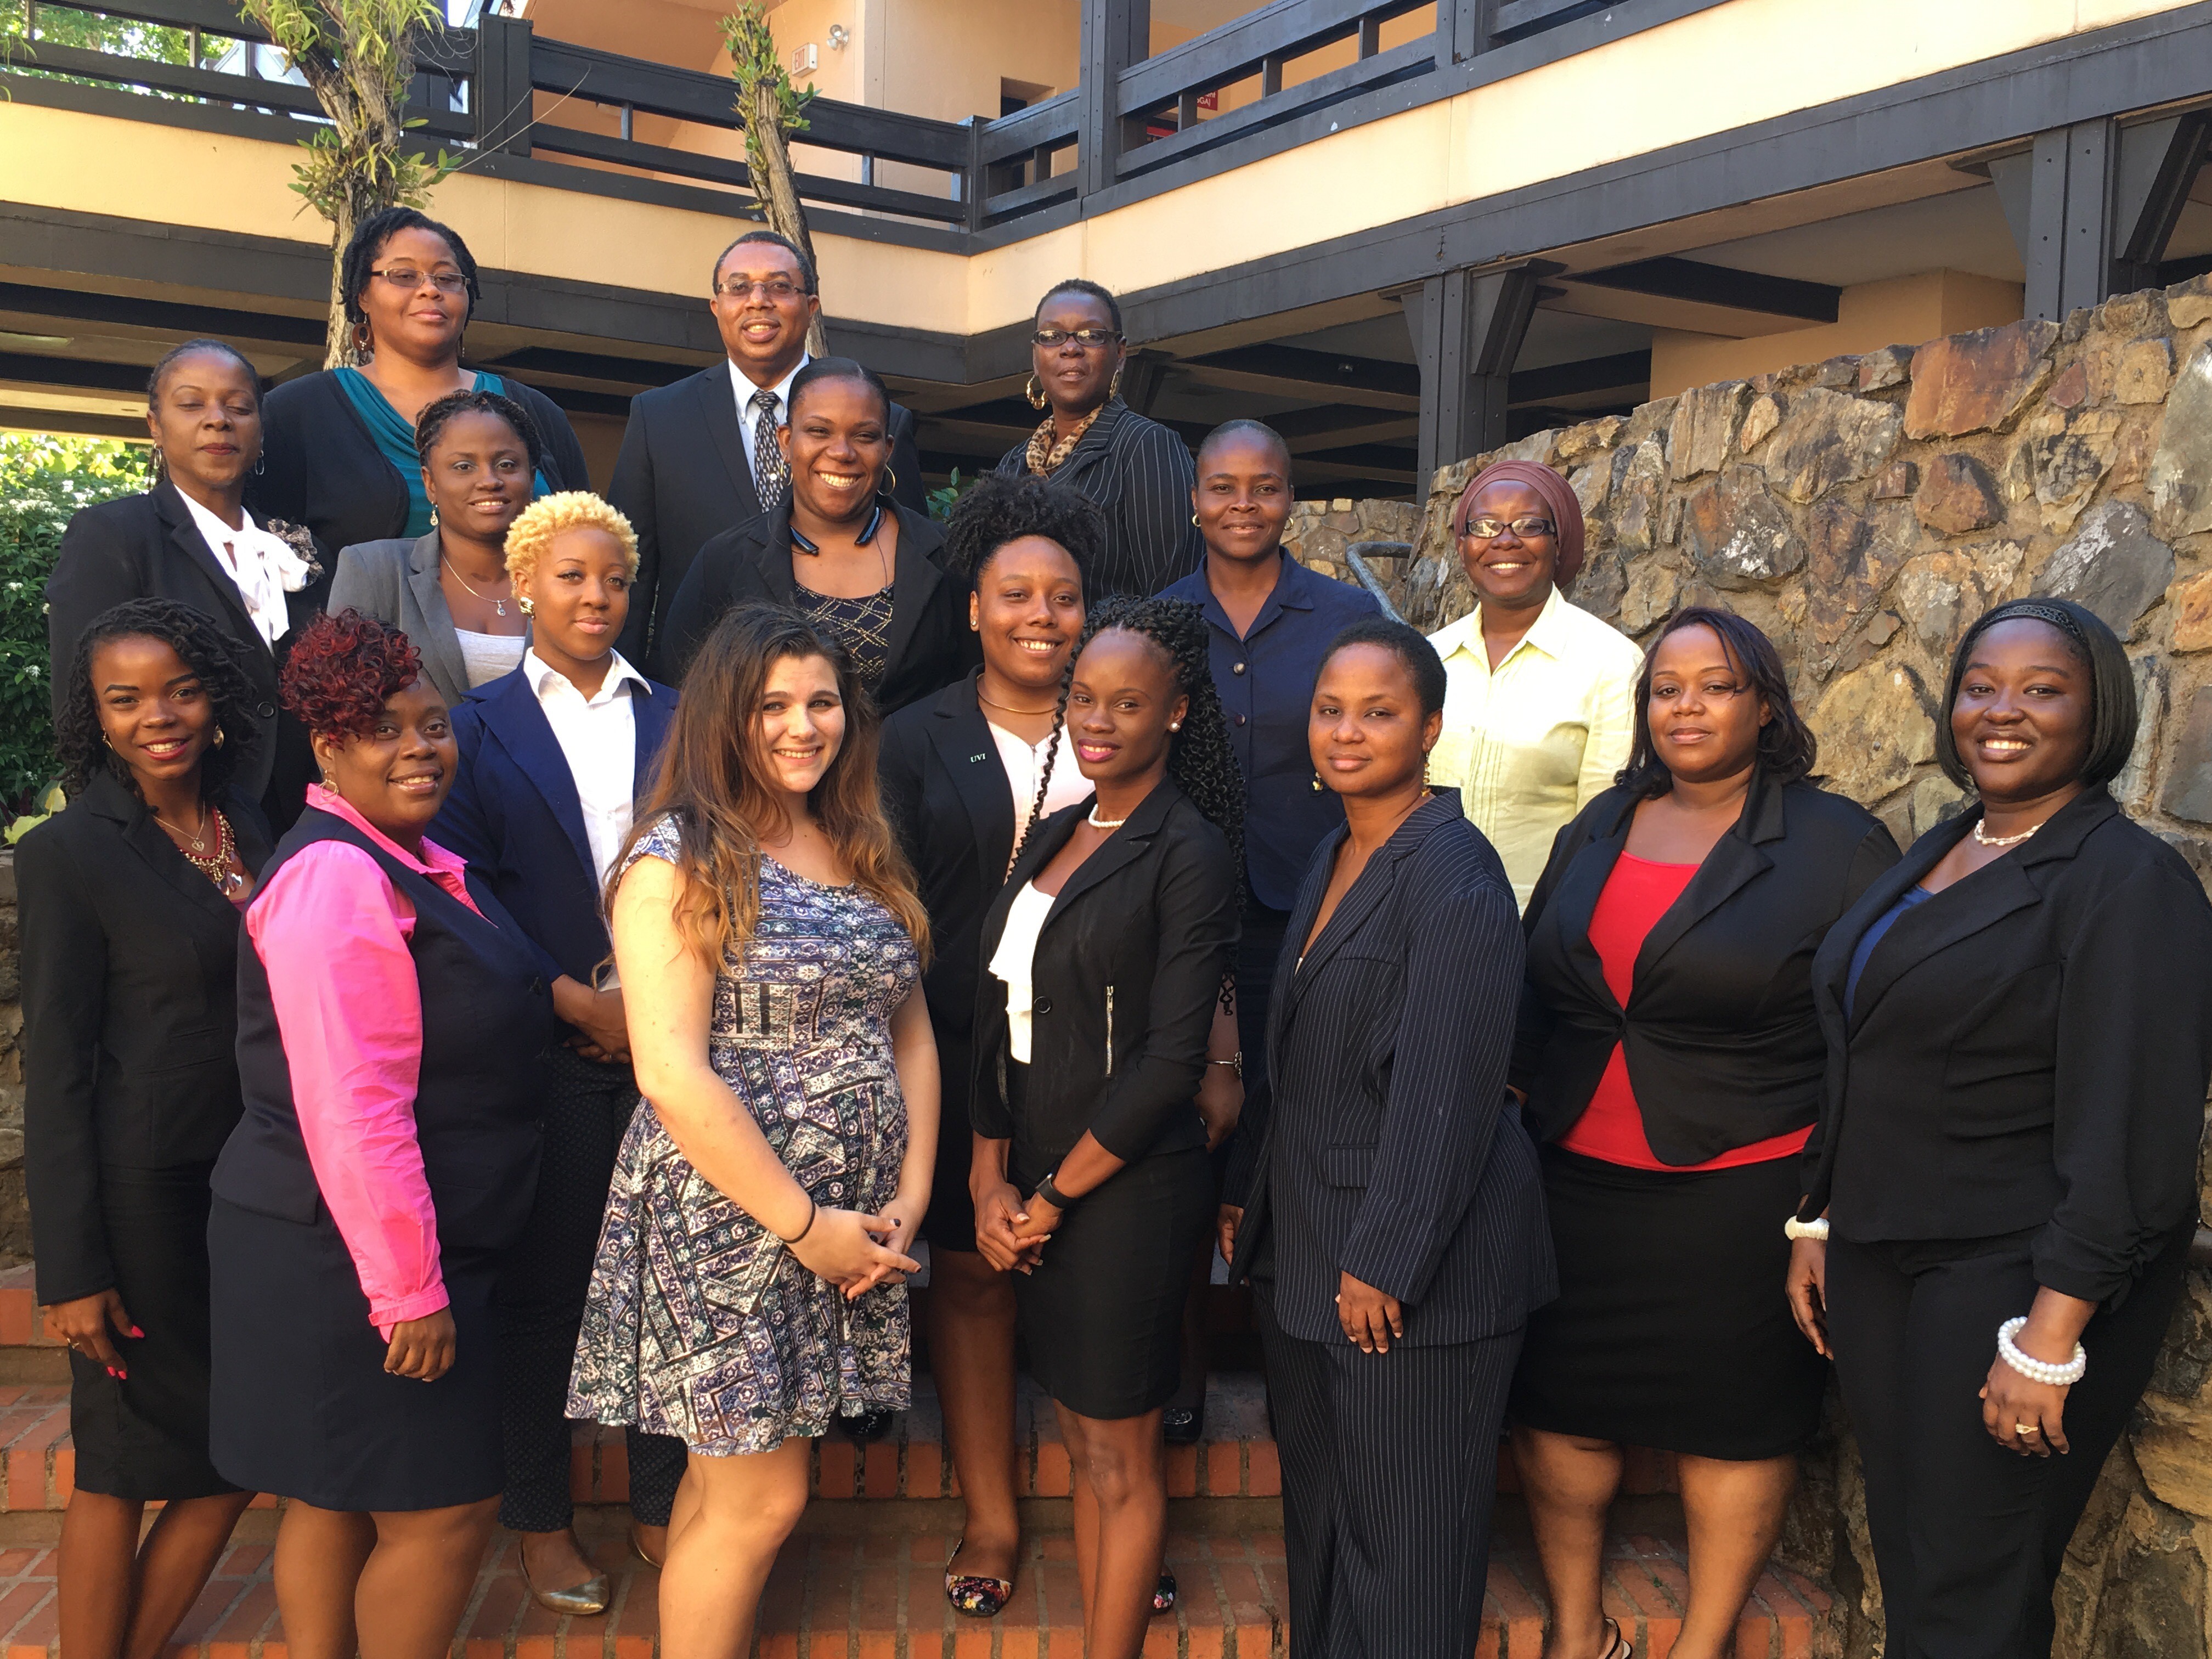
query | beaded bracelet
[2039, 1370]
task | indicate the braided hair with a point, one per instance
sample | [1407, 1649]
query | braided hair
[430, 424]
[366, 246]
[206, 650]
[1199, 758]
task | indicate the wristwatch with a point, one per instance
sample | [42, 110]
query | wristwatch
[1052, 1194]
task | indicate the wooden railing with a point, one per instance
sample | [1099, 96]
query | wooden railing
[501, 89]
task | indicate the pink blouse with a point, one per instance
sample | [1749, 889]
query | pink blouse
[331, 933]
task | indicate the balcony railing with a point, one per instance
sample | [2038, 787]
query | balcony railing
[502, 91]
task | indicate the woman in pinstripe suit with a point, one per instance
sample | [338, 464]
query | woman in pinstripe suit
[1133, 470]
[1392, 1223]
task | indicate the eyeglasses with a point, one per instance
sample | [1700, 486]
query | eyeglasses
[776, 289]
[1527, 529]
[1090, 339]
[408, 278]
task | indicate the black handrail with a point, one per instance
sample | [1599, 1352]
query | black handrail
[996, 171]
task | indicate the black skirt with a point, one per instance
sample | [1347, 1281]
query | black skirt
[1672, 1328]
[145, 1437]
[301, 1405]
[950, 1223]
[1102, 1314]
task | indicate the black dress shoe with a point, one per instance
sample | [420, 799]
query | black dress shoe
[1183, 1426]
[869, 1426]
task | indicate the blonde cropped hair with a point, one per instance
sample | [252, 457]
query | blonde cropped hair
[535, 527]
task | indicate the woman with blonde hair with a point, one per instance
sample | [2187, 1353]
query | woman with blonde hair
[750, 1282]
[553, 754]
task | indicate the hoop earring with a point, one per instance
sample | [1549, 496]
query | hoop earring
[890, 475]
[260, 463]
[1194, 518]
[218, 737]
[1035, 391]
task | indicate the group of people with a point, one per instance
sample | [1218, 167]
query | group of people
[439, 1030]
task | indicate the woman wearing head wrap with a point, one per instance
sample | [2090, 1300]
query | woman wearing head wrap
[2019, 1020]
[1540, 709]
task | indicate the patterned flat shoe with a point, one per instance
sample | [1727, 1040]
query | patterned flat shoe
[1164, 1595]
[973, 1596]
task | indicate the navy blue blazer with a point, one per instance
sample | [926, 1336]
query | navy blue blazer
[515, 816]
[1391, 1152]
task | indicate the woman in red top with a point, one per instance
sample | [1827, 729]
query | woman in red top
[1670, 1061]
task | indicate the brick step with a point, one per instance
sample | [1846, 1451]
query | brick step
[881, 1594]
[1237, 1460]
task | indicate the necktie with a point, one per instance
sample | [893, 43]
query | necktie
[771, 475]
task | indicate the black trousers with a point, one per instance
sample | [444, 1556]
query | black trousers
[1969, 1537]
[1257, 946]
[1390, 1475]
[539, 1301]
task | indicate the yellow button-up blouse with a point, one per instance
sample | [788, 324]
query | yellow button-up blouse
[1530, 744]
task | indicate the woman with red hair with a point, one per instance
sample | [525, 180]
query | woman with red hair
[391, 1017]
[1540, 699]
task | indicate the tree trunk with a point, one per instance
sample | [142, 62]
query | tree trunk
[777, 188]
[338, 338]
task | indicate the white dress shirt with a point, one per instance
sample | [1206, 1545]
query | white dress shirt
[1024, 760]
[597, 736]
[254, 560]
[748, 417]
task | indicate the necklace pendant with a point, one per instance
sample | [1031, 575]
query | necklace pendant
[499, 607]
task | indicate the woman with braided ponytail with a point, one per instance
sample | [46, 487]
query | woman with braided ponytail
[1107, 955]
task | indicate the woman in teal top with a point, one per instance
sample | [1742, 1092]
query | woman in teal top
[339, 453]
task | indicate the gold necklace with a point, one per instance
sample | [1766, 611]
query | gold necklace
[1006, 708]
[198, 841]
[214, 865]
[498, 605]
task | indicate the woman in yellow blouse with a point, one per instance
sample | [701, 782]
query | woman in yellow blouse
[1540, 703]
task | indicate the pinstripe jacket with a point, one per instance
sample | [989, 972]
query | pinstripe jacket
[1140, 475]
[1390, 1151]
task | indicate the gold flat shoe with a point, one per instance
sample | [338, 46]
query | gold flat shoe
[582, 1600]
[637, 1547]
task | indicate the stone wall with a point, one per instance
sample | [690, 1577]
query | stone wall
[1863, 511]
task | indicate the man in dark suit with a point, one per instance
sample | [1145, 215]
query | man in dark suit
[700, 457]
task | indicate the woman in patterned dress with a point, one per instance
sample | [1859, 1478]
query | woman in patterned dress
[750, 1285]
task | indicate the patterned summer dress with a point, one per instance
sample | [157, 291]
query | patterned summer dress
[699, 1324]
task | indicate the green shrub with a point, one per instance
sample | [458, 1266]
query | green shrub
[43, 481]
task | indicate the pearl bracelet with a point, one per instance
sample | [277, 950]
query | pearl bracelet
[2039, 1370]
[1794, 1229]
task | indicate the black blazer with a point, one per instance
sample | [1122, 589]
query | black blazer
[1129, 966]
[931, 644]
[1391, 1150]
[951, 805]
[321, 468]
[513, 814]
[682, 479]
[146, 547]
[1139, 474]
[130, 1011]
[2026, 1049]
[1722, 1045]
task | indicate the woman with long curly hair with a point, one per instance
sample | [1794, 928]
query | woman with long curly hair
[750, 1284]
[391, 1014]
[129, 917]
[1107, 956]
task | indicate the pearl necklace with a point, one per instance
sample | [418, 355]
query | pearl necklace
[1097, 822]
[2002, 841]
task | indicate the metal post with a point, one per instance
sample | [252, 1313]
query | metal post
[1116, 34]
[500, 98]
[1463, 29]
[1468, 327]
[2091, 206]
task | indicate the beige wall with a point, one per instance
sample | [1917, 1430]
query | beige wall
[1757, 57]
[1901, 311]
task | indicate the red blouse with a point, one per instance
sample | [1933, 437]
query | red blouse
[1637, 894]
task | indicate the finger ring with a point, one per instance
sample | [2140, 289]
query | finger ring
[2025, 1428]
